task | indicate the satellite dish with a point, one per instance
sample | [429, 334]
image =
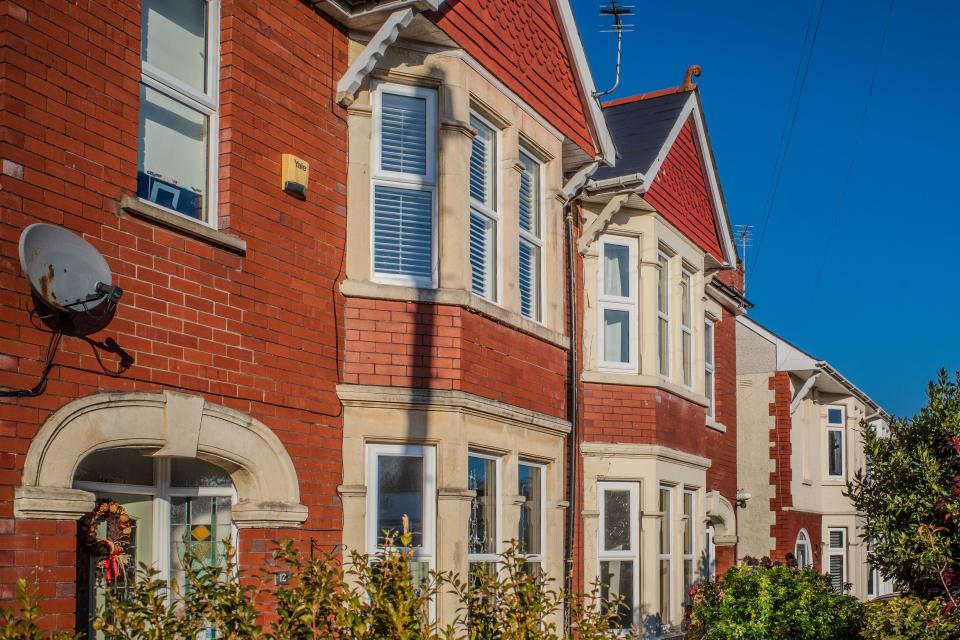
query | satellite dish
[71, 282]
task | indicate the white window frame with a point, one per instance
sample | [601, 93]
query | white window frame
[838, 552]
[161, 491]
[207, 103]
[492, 558]
[629, 304]
[533, 239]
[633, 554]
[803, 540]
[666, 520]
[709, 569]
[664, 263]
[426, 552]
[686, 330]
[539, 557]
[710, 366]
[408, 181]
[493, 215]
[689, 521]
[841, 429]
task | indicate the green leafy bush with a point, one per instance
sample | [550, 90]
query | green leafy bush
[908, 619]
[372, 598]
[21, 624]
[772, 603]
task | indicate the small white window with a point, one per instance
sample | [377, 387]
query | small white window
[686, 327]
[663, 315]
[483, 525]
[709, 569]
[531, 530]
[484, 214]
[617, 303]
[665, 554]
[531, 238]
[689, 544]
[709, 368]
[401, 484]
[178, 129]
[837, 558]
[836, 467]
[403, 186]
[802, 550]
[619, 544]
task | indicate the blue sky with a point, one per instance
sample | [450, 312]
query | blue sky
[858, 262]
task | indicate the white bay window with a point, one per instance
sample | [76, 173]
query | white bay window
[404, 185]
[531, 530]
[709, 368]
[484, 214]
[619, 546]
[617, 303]
[401, 486]
[531, 238]
[686, 327]
[483, 525]
[663, 316]
[177, 155]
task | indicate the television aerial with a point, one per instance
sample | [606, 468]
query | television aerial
[616, 12]
[72, 288]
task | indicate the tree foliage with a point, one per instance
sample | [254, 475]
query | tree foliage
[911, 496]
[772, 603]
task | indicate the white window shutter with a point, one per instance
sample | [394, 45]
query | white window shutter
[403, 232]
[403, 134]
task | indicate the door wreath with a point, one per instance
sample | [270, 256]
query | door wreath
[111, 550]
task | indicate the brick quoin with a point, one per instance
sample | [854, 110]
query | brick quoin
[431, 346]
[722, 447]
[787, 523]
[257, 332]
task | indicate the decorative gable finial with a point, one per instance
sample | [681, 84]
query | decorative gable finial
[688, 83]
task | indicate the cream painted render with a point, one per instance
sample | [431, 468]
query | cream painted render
[650, 467]
[461, 89]
[455, 424]
[760, 354]
[636, 219]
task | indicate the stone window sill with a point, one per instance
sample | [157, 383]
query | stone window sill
[716, 426]
[182, 224]
[635, 380]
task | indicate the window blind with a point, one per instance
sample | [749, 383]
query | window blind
[403, 231]
[403, 134]
[482, 236]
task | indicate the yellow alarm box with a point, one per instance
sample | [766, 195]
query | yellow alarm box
[294, 176]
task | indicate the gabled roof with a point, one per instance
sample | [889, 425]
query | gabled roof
[533, 48]
[793, 359]
[644, 129]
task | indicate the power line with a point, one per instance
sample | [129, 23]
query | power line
[778, 167]
[842, 196]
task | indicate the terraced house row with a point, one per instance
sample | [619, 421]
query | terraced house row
[383, 260]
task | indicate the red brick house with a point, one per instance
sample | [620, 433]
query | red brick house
[393, 339]
[660, 293]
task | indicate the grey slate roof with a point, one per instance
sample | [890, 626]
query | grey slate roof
[639, 130]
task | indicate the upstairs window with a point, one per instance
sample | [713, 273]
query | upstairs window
[663, 316]
[404, 185]
[709, 369]
[484, 217]
[177, 153]
[617, 303]
[531, 238]
[686, 327]
[836, 469]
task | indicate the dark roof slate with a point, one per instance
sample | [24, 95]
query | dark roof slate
[639, 130]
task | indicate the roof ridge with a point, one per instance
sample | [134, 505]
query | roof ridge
[659, 93]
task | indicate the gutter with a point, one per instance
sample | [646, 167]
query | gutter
[631, 180]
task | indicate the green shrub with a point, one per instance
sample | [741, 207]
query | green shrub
[908, 619]
[772, 603]
[21, 624]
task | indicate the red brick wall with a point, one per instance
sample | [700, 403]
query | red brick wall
[681, 194]
[410, 344]
[642, 415]
[257, 332]
[722, 447]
